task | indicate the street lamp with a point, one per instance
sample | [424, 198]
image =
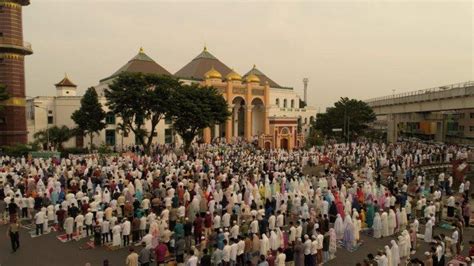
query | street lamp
[47, 125]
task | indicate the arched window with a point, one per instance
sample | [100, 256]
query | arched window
[306, 120]
[277, 102]
[311, 119]
[284, 103]
[292, 104]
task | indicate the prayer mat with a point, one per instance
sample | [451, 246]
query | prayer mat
[109, 246]
[88, 245]
[63, 237]
[34, 235]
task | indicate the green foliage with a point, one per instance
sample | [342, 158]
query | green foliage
[137, 97]
[56, 135]
[90, 117]
[314, 138]
[19, 150]
[196, 108]
[104, 149]
[3, 95]
[66, 151]
[357, 113]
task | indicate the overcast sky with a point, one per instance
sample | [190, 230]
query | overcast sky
[358, 49]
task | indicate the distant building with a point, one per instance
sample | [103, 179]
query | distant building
[442, 114]
[262, 110]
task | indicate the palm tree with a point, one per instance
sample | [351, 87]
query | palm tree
[123, 130]
[3, 95]
[56, 135]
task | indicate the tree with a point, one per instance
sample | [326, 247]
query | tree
[55, 135]
[141, 98]
[122, 129]
[3, 95]
[350, 115]
[196, 108]
[90, 117]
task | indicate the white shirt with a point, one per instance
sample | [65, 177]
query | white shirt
[39, 218]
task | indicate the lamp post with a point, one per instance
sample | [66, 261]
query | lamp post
[47, 124]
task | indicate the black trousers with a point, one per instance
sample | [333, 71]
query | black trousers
[39, 228]
[126, 240]
[15, 240]
[105, 238]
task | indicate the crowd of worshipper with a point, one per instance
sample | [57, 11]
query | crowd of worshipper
[222, 204]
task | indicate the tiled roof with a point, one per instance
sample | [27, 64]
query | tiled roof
[65, 82]
[200, 65]
[263, 78]
[140, 63]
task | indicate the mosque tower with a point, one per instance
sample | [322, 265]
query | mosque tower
[305, 83]
[12, 72]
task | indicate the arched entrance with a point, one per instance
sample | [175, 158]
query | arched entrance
[258, 117]
[238, 117]
[284, 143]
[268, 145]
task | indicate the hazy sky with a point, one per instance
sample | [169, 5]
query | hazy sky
[359, 49]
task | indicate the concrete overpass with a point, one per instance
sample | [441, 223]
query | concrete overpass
[419, 103]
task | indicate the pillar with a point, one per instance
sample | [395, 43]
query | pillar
[248, 122]
[228, 126]
[392, 130]
[206, 135]
[266, 128]
[235, 121]
[12, 72]
[230, 106]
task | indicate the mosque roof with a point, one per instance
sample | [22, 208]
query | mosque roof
[263, 78]
[65, 82]
[197, 68]
[140, 63]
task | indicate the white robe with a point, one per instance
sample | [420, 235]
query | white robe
[69, 225]
[384, 218]
[395, 253]
[428, 231]
[339, 227]
[388, 252]
[264, 245]
[116, 240]
[392, 222]
[377, 226]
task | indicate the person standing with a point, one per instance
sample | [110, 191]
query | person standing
[39, 220]
[126, 227]
[132, 258]
[193, 259]
[144, 258]
[14, 233]
[69, 227]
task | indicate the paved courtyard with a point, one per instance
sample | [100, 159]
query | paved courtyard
[47, 250]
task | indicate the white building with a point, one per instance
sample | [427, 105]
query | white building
[47, 111]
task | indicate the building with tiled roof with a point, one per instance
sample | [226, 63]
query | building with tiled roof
[262, 110]
[139, 63]
[202, 63]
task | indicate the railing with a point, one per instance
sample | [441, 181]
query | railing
[374, 101]
[15, 42]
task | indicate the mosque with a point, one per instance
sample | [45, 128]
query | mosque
[262, 110]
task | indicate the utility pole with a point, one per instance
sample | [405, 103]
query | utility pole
[305, 82]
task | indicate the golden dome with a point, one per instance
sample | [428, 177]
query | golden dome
[233, 76]
[252, 78]
[213, 74]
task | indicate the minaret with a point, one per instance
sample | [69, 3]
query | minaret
[12, 71]
[305, 82]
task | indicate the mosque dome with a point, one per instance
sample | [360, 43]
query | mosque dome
[233, 76]
[213, 74]
[251, 78]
